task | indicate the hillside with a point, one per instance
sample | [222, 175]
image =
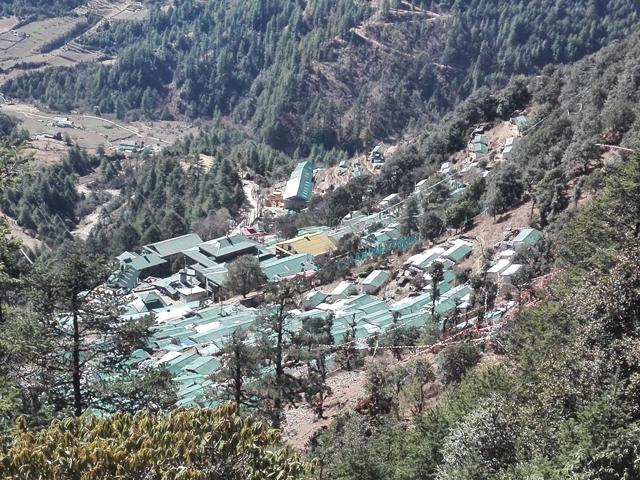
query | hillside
[319, 73]
[330, 239]
[28, 8]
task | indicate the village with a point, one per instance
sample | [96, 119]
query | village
[393, 280]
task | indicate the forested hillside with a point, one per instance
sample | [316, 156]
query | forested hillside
[556, 397]
[574, 108]
[28, 8]
[320, 72]
[557, 400]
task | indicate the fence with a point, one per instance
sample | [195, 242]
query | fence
[401, 243]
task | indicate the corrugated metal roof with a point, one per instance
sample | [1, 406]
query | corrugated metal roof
[343, 289]
[313, 244]
[511, 270]
[287, 266]
[411, 304]
[173, 246]
[204, 365]
[456, 293]
[315, 298]
[376, 278]
[479, 148]
[228, 246]
[500, 266]
[360, 300]
[125, 278]
[458, 251]
[300, 184]
[528, 236]
[426, 258]
[197, 256]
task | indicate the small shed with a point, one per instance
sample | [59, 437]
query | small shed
[458, 251]
[527, 237]
[507, 275]
[445, 168]
[494, 272]
[521, 122]
[343, 290]
[389, 200]
[457, 192]
[374, 281]
[313, 299]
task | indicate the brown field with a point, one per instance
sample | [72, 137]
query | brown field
[22, 45]
[91, 131]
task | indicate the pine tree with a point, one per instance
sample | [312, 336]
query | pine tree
[81, 332]
[276, 337]
[409, 221]
[436, 272]
[244, 275]
[241, 365]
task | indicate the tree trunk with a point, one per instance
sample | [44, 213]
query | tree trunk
[277, 404]
[77, 392]
[238, 378]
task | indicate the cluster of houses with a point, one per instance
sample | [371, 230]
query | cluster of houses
[190, 329]
[137, 147]
[480, 151]
[179, 281]
[504, 270]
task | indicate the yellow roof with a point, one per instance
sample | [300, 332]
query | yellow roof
[313, 244]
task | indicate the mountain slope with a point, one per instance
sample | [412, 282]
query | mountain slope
[26, 8]
[322, 73]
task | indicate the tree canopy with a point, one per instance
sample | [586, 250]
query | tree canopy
[198, 444]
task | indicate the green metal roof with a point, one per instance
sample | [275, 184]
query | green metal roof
[528, 235]
[521, 122]
[375, 308]
[458, 252]
[456, 293]
[178, 363]
[186, 379]
[287, 266]
[316, 298]
[479, 148]
[300, 184]
[216, 274]
[173, 246]
[411, 304]
[376, 278]
[197, 256]
[126, 277]
[445, 305]
[360, 300]
[228, 247]
[203, 365]
[141, 261]
[457, 192]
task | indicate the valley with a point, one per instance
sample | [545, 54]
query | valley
[342, 240]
